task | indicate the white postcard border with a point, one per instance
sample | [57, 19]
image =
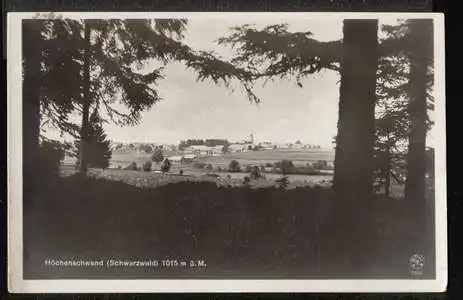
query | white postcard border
[16, 284]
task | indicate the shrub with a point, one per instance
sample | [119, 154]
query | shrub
[286, 166]
[50, 156]
[147, 166]
[255, 173]
[147, 149]
[320, 164]
[165, 166]
[132, 166]
[180, 172]
[234, 166]
[209, 167]
[246, 180]
[158, 155]
[248, 169]
[219, 169]
[282, 182]
[119, 167]
[199, 165]
[268, 165]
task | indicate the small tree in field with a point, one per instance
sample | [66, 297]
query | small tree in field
[147, 166]
[165, 166]
[255, 173]
[133, 166]
[158, 155]
[98, 145]
[282, 182]
[285, 166]
[147, 149]
[234, 166]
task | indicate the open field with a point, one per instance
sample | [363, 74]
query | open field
[299, 157]
[152, 179]
[190, 173]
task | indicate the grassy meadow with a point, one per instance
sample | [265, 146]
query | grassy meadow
[239, 232]
[191, 173]
[299, 157]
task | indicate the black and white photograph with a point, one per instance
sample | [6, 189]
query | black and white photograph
[245, 152]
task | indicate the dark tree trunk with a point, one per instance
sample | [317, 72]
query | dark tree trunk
[84, 134]
[421, 56]
[420, 210]
[353, 177]
[387, 182]
[31, 99]
[356, 125]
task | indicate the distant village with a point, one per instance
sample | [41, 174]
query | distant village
[192, 149]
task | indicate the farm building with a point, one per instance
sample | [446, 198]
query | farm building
[189, 157]
[240, 147]
[285, 146]
[217, 150]
[176, 159]
[170, 147]
[199, 150]
[237, 148]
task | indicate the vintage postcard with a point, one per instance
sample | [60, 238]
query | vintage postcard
[226, 152]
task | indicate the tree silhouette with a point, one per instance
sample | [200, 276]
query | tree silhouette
[392, 120]
[274, 52]
[158, 155]
[286, 166]
[295, 55]
[98, 147]
[107, 69]
[421, 57]
[234, 166]
[405, 88]
[49, 83]
[415, 37]
[165, 166]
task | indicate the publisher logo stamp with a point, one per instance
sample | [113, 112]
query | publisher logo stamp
[417, 262]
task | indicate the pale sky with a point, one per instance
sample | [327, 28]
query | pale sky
[193, 109]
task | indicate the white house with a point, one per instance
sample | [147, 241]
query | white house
[199, 150]
[175, 159]
[189, 157]
[237, 148]
[217, 150]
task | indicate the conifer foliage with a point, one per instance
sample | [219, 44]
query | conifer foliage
[99, 146]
